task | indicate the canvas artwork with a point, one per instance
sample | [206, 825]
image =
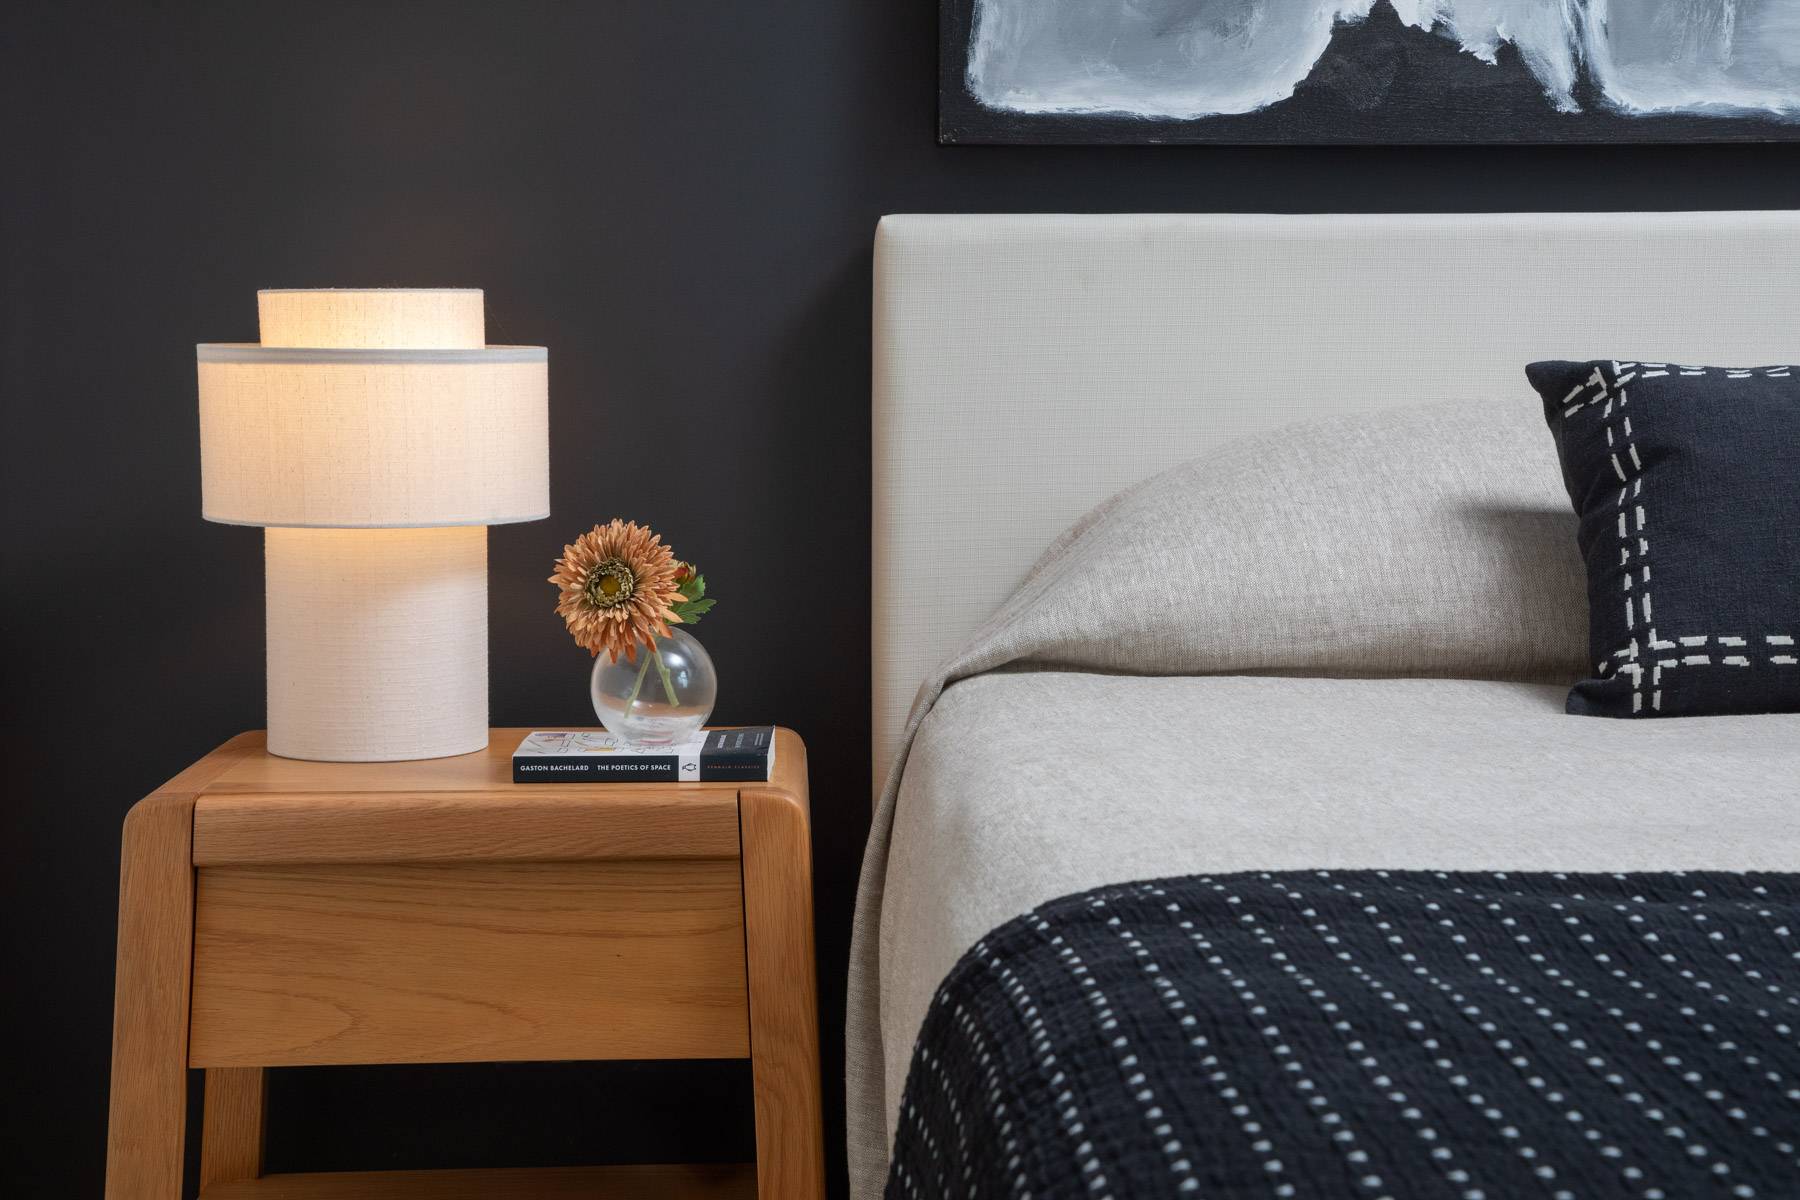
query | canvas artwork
[1383, 71]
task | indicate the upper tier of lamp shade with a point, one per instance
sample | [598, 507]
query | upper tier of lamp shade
[373, 408]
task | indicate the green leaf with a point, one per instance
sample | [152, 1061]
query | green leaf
[691, 611]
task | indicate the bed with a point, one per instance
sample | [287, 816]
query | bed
[1296, 687]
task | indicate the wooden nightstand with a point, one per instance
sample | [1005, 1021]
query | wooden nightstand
[274, 912]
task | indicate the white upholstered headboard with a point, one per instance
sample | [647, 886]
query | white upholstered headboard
[1026, 367]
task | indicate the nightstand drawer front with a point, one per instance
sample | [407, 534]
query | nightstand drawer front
[470, 962]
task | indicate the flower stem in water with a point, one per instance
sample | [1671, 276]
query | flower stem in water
[637, 686]
[668, 684]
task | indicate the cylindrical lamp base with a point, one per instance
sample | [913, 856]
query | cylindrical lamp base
[377, 643]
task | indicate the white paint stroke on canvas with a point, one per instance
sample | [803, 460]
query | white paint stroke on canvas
[1195, 58]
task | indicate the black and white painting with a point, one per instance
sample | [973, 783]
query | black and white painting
[1317, 71]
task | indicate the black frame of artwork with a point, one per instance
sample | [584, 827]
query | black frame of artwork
[1418, 109]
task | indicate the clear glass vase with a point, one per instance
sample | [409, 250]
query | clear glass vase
[661, 698]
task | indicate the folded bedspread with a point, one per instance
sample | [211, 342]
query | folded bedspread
[1370, 1033]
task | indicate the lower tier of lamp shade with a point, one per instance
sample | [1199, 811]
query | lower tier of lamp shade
[377, 642]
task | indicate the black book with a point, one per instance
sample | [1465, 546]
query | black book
[743, 755]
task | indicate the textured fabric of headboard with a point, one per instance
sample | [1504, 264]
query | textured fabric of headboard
[1026, 367]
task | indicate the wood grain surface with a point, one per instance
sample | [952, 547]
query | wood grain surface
[473, 962]
[147, 1121]
[730, 1182]
[784, 1017]
[254, 770]
[275, 912]
[529, 822]
[231, 1127]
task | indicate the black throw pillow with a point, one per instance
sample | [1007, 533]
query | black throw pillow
[1686, 481]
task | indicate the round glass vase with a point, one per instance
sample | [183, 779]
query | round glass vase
[661, 698]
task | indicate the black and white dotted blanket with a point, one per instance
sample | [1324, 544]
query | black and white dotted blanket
[1370, 1034]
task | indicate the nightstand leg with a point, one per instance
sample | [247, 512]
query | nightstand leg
[784, 1018]
[231, 1124]
[150, 1001]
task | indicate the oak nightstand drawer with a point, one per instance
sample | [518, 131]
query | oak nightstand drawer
[471, 962]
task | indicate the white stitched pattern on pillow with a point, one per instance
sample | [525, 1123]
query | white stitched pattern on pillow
[1696, 462]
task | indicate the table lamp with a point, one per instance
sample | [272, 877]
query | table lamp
[375, 436]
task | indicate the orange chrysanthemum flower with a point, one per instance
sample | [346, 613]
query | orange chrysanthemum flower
[619, 589]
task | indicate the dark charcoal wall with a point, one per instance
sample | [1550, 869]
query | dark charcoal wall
[678, 200]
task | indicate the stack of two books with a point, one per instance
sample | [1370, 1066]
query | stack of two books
[744, 755]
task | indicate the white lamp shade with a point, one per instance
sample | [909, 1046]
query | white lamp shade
[369, 408]
[373, 318]
[377, 643]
